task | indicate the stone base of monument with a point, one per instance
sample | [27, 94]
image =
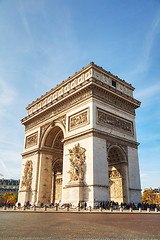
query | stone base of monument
[75, 192]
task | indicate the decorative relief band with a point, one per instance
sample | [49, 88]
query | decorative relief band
[108, 119]
[79, 119]
[80, 78]
[31, 140]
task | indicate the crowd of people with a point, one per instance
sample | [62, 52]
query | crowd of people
[116, 205]
[83, 205]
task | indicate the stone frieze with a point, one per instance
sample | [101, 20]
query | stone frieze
[107, 119]
[60, 108]
[79, 119]
[31, 140]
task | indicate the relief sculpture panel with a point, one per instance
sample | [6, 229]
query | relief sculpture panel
[31, 140]
[105, 118]
[79, 119]
[77, 163]
[27, 177]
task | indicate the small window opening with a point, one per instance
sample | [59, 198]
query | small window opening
[113, 83]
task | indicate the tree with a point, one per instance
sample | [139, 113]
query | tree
[8, 197]
[149, 197]
[2, 201]
[15, 197]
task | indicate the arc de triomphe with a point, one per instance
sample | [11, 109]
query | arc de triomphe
[80, 142]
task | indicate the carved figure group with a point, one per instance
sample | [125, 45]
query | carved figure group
[77, 163]
[27, 177]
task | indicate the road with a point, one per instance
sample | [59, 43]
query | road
[14, 225]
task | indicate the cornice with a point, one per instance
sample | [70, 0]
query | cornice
[91, 73]
[40, 150]
[84, 86]
[75, 75]
[101, 134]
[117, 93]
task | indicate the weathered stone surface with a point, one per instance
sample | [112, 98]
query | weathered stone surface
[81, 141]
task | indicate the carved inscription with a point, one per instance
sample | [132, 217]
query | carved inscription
[31, 140]
[79, 119]
[108, 119]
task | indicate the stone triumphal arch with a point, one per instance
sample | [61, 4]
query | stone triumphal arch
[80, 142]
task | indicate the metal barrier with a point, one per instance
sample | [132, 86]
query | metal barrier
[111, 209]
[148, 209]
[140, 209]
[121, 209]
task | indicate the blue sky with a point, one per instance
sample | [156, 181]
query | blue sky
[42, 42]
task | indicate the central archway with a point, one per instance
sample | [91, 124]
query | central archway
[52, 165]
[117, 166]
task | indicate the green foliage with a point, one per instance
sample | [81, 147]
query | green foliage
[15, 197]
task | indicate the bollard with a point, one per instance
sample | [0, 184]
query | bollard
[121, 209]
[140, 209]
[156, 210]
[24, 208]
[100, 209]
[131, 210]
[34, 208]
[45, 208]
[67, 208]
[14, 207]
[4, 207]
[111, 209]
[90, 208]
[56, 207]
[148, 209]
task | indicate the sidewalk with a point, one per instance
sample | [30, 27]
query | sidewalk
[76, 210]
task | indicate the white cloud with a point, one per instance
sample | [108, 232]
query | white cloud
[148, 92]
[4, 169]
[150, 179]
[7, 95]
[24, 20]
[10, 164]
[143, 175]
[144, 61]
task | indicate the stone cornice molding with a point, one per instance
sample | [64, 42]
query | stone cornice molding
[58, 109]
[41, 150]
[135, 189]
[101, 134]
[78, 74]
[91, 74]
